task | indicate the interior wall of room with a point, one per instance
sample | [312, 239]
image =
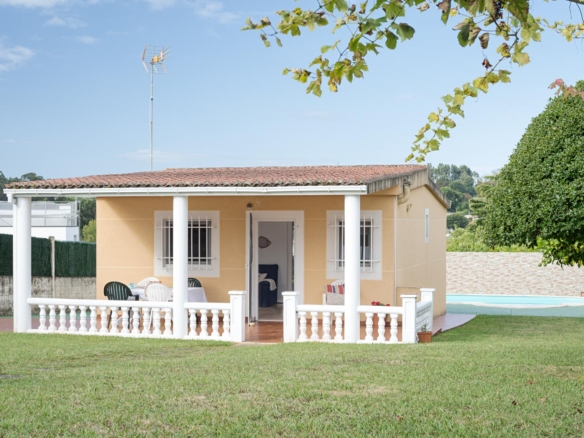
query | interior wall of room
[279, 252]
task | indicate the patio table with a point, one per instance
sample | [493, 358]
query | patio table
[194, 294]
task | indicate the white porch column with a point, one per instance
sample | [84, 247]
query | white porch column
[180, 267]
[290, 317]
[352, 267]
[22, 279]
[409, 335]
[237, 300]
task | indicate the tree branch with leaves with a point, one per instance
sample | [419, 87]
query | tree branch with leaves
[373, 27]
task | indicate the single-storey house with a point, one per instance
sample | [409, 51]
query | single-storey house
[375, 228]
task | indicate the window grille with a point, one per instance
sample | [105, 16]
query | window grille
[366, 247]
[202, 244]
[199, 243]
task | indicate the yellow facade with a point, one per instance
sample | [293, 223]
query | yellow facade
[125, 241]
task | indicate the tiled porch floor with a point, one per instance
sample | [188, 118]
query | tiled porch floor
[272, 332]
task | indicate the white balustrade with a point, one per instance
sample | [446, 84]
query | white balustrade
[218, 321]
[321, 320]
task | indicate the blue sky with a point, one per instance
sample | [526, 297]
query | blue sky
[74, 96]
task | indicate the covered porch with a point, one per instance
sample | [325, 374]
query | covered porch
[228, 313]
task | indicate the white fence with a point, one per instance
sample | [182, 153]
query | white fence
[142, 319]
[324, 323]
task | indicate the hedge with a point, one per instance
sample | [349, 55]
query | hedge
[72, 259]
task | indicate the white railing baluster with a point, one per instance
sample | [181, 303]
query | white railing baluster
[369, 327]
[103, 319]
[381, 327]
[146, 319]
[135, 320]
[93, 319]
[52, 318]
[204, 333]
[140, 319]
[125, 320]
[226, 325]
[42, 318]
[114, 319]
[393, 328]
[156, 321]
[215, 326]
[326, 326]
[302, 336]
[82, 319]
[168, 321]
[338, 326]
[72, 318]
[62, 318]
[314, 326]
[193, 323]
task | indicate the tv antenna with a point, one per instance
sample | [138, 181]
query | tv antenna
[153, 59]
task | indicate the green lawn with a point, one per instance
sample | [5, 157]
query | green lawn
[496, 376]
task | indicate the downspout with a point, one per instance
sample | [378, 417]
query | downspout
[400, 199]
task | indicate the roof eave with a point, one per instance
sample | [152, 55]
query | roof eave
[193, 191]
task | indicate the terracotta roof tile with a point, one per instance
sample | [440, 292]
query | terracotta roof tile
[235, 176]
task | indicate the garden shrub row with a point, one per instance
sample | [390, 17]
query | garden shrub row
[72, 259]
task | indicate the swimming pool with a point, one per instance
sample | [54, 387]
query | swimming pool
[528, 305]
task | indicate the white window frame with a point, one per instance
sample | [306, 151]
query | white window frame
[371, 269]
[427, 226]
[211, 269]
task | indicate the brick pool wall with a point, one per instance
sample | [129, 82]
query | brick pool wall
[510, 273]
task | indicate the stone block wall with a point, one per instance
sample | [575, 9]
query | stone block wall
[510, 273]
[82, 288]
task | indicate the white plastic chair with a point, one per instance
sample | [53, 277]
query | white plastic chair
[337, 300]
[158, 292]
[146, 281]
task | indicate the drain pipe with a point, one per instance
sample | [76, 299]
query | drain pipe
[400, 199]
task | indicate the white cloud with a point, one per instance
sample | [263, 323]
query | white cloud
[33, 3]
[160, 4]
[73, 23]
[87, 39]
[213, 10]
[12, 57]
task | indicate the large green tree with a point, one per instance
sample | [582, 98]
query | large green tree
[539, 195]
[501, 29]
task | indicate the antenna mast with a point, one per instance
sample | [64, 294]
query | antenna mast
[153, 59]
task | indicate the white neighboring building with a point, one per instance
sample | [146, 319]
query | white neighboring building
[58, 219]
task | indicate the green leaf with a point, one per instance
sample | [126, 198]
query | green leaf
[391, 40]
[519, 8]
[445, 6]
[278, 42]
[433, 117]
[520, 58]
[341, 5]
[464, 34]
[405, 31]
[285, 71]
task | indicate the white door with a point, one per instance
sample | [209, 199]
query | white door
[253, 219]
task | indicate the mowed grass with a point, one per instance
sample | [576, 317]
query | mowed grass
[496, 376]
